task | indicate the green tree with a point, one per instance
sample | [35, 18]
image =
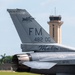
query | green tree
[8, 59]
[2, 58]
[5, 59]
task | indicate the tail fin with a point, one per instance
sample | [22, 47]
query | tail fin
[28, 29]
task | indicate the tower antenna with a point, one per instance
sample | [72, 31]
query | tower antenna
[55, 11]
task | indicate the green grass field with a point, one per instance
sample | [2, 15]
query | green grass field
[16, 73]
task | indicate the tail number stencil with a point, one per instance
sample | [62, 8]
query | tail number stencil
[47, 39]
[41, 39]
[38, 39]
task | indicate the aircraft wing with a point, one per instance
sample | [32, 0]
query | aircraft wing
[39, 65]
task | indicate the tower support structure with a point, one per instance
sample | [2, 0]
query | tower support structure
[55, 28]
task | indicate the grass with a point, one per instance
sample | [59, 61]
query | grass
[16, 73]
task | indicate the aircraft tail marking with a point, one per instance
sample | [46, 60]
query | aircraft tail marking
[28, 29]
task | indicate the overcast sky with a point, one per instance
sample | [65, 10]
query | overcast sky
[40, 10]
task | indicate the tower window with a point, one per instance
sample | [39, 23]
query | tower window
[53, 30]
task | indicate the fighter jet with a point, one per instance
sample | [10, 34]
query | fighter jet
[41, 53]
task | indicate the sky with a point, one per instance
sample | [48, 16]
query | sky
[40, 10]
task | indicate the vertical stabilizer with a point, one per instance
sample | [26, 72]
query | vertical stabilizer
[28, 29]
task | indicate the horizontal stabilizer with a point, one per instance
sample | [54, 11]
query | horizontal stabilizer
[39, 65]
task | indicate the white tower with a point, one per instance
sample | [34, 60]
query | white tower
[55, 28]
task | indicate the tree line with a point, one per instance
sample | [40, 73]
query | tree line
[5, 59]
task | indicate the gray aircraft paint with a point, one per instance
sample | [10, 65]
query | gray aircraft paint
[31, 32]
[46, 47]
[28, 29]
[47, 57]
[60, 58]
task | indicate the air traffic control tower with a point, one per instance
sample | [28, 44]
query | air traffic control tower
[55, 28]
